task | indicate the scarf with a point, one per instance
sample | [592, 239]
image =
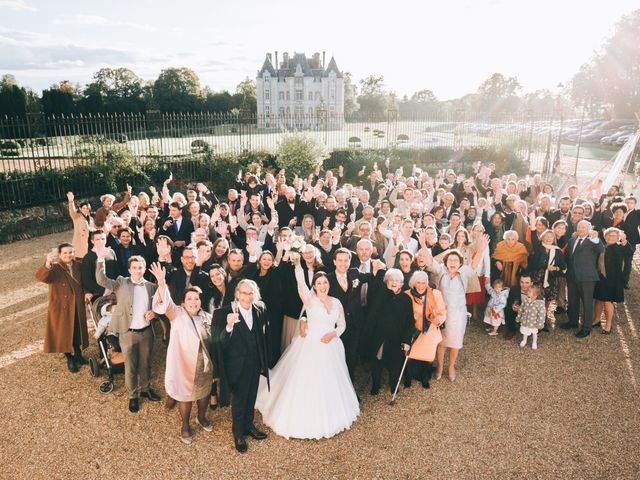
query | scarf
[552, 255]
[427, 317]
[516, 255]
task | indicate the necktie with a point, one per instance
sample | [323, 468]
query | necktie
[342, 280]
[578, 243]
[364, 268]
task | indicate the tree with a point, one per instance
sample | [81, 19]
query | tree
[61, 98]
[114, 90]
[350, 96]
[372, 99]
[422, 102]
[177, 90]
[13, 99]
[299, 154]
[611, 80]
[245, 98]
[219, 102]
[499, 94]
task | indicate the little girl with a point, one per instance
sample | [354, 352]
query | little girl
[531, 316]
[494, 313]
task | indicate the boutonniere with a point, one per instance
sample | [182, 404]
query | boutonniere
[355, 283]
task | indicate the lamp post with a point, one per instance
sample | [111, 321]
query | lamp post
[556, 166]
[575, 170]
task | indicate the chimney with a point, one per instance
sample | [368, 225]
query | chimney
[316, 60]
[276, 64]
[285, 60]
[323, 59]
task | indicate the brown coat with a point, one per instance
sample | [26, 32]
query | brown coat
[66, 306]
[81, 228]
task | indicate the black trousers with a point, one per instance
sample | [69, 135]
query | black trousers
[392, 361]
[351, 340]
[244, 392]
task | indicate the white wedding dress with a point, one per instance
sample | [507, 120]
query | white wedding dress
[311, 393]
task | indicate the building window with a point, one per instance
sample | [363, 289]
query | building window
[332, 92]
[281, 111]
[288, 96]
[310, 111]
[267, 110]
[280, 95]
[299, 95]
[267, 94]
[310, 96]
[317, 96]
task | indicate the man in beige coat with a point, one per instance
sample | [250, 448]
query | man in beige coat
[66, 327]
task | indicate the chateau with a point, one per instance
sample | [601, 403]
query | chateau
[300, 92]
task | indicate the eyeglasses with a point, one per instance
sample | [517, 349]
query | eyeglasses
[245, 293]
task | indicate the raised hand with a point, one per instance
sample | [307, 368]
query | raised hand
[129, 189]
[159, 272]
[52, 256]
[70, 197]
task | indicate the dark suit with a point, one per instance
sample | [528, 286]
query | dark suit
[582, 275]
[286, 213]
[177, 284]
[244, 353]
[515, 293]
[88, 272]
[178, 234]
[353, 313]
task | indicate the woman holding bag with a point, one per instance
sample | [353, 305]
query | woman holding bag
[189, 370]
[429, 312]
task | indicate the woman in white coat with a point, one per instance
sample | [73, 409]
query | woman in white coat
[189, 371]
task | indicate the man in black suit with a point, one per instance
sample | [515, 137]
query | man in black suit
[582, 274]
[88, 266]
[244, 352]
[631, 228]
[345, 284]
[178, 229]
[290, 210]
[514, 300]
[187, 275]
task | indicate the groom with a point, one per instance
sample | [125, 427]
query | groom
[244, 352]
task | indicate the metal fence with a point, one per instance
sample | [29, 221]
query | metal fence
[36, 143]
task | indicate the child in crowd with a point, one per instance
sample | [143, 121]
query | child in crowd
[494, 313]
[106, 311]
[531, 316]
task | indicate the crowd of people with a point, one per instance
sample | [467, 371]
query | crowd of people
[276, 295]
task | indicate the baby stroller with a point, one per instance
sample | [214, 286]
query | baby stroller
[110, 353]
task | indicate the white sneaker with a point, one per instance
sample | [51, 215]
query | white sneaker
[523, 343]
[534, 345]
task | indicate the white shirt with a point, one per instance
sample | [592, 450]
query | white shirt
[139, 307]
[247, 315]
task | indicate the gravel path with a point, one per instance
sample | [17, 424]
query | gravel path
[567, 410]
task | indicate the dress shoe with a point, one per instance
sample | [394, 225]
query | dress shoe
[509, 334]
[134, 405]
[80, 360]
[151, 395]
[568, 326]
[374, 390]
[626, 286]
[582, 334]
[72, 365]
[560, 310]
[241, 444]
[545, 328]
[255, 433]
[425, 384]
[206, 425]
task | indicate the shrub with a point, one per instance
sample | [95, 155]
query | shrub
[199, 146]
[402, 138]
[299, 154]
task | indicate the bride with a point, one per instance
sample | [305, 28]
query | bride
[311, 393]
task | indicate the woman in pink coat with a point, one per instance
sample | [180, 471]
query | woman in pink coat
[189, 371]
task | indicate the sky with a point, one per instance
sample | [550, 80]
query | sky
[448, 47]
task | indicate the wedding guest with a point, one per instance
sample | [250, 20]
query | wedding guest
[82, 225]
[189, 369]
[612, 262]
[531, 316]
[494, 313]
[510, 258]
[108, 206]
[66, 326]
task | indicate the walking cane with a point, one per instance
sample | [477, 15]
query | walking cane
[406, 359]
[395, 392]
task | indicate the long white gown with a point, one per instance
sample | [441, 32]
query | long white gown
[311, 393]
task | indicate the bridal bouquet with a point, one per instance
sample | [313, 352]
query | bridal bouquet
[295, 249]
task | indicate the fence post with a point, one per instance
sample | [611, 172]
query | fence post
[575, 171]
